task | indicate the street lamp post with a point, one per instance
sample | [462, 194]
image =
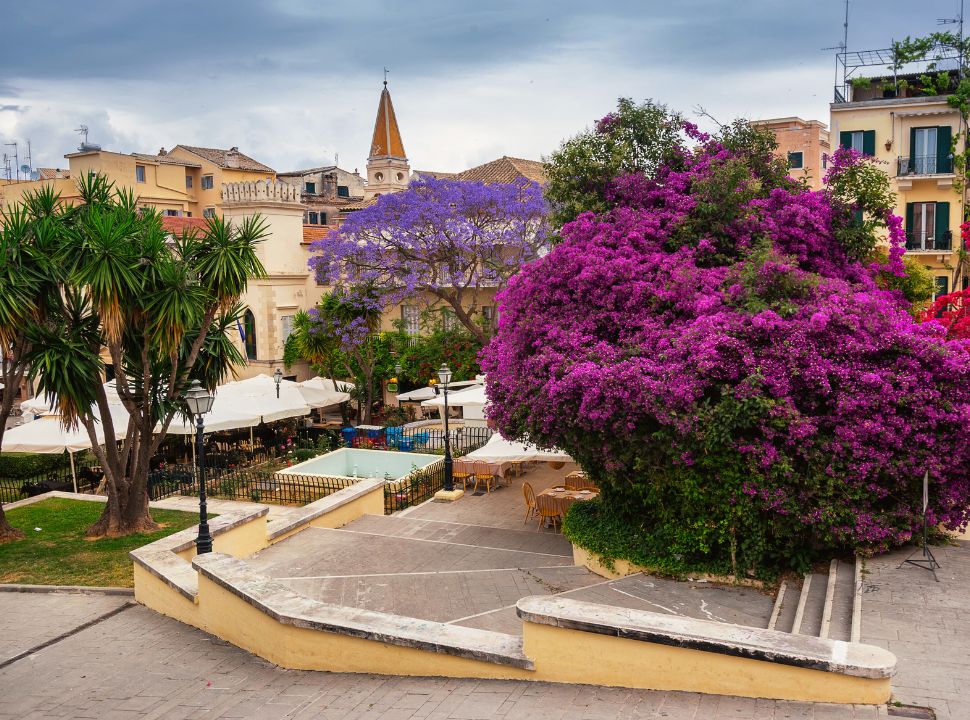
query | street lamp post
[278, 378]
[444, 377]
[199, 401]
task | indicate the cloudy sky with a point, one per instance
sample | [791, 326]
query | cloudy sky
[295, 82]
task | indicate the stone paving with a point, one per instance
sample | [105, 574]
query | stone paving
[925, 624]
[138, 665]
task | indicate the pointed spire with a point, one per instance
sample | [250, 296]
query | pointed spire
[387, 137]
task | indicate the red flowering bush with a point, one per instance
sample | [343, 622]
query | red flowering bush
[952, 313]
[716, 352]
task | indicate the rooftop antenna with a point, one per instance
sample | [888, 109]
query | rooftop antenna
[6, 165]
[842, 47]
[958, 20]
[386, 71]
[83, 131]
[16, 159]
[29, 164]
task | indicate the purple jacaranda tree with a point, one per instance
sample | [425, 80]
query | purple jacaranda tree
[439, 241]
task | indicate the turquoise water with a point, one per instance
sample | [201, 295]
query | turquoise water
[351, 462]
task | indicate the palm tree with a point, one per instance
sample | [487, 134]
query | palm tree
[29, 237]
[158, 310]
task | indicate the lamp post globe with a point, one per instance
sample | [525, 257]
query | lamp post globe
[199, 402]
[444, 377]
[278, 378]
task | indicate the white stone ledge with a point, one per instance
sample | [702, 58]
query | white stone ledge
[835, 656]
[289, 608]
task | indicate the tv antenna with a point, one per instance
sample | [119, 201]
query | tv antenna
[16, 159]
[6, 165]
[958, 20]
[844, 45]
[83, 131]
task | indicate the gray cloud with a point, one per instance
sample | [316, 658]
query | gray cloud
[295, 82]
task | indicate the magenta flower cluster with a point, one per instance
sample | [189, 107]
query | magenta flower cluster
[755, 341]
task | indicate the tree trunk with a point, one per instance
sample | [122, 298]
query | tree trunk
[7, 531]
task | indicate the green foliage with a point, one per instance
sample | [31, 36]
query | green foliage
[917, 285]
[421, 356]
[302, 455]
[864, 198]
[634, 138]
[19, 466]
[60, 553]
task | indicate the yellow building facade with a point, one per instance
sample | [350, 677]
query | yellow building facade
[911, 138]
[184, 182]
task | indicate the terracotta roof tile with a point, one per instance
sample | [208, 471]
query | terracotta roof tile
[387, 137]
[359, 205]
[506, 170]
[315, 232]
[230, 159]
[164, 160]
[53, 173]
[436, 174]
[176, 225]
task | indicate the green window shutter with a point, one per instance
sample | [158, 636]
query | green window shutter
[909, 221]
[912, 150]
[845, 139]
[942, 226]
[869, 142]
[943, 136]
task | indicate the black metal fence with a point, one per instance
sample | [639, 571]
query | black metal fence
[417, 439]
[12, 489]
[416, 489]
[244, 484]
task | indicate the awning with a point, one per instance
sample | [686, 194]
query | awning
[319, 392]
[474, 395]
[257, 395]
[498, 449]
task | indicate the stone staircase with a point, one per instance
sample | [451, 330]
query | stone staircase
[827, 605]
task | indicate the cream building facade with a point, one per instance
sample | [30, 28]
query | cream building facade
[911, 137]
[803, 144]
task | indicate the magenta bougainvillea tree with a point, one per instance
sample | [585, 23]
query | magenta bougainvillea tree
[716, 351]
[439, 241]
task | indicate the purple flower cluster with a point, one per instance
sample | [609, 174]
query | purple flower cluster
[759, 343]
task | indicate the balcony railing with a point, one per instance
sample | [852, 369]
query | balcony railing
[923, 165]
[922, 242]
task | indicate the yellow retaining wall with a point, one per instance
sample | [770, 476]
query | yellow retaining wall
[371, 503]
[153, 592]
[574, 656]
[233, 619]
[241, 541]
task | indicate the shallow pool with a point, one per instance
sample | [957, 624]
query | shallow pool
[357, 463]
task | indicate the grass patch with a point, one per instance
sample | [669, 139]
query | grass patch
[60, 554]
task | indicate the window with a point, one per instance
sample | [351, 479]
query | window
[929, 151]
[795, 160]
[378, 177]
[411, 317]
[941, 286]
[188, 182]
[312, 218]
[249, 334]
[310, 187]
[206, 182]
[188, 214]
[209, 212]
[488, 315]
[139, 173]
[449, 321]
[928, 226]
[862, 140]
[286, 323]
[323, 218]
[825, 160]
[343, 191]
[173, 213]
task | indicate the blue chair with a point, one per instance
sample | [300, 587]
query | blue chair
[405, 445]
[420, 438]
[348, 435]
[394, 436]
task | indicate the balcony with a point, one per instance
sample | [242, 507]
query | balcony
[911, 166]
[922, 242]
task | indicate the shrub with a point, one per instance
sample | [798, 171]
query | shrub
[716, 351]
[21, 466]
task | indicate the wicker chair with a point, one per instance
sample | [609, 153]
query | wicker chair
[530, 502]
[548, 511]
[483, 473]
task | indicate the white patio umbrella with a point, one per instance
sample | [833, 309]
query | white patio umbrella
[257, 395]
[319, 392]
[498, 449]
[221, 417]
[48, 435]
[474, 395]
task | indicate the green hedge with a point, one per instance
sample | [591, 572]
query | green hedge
[26, 465]
[594, 527]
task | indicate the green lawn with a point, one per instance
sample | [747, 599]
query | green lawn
[59, 553]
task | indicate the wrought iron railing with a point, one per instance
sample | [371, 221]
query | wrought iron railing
[926, 242]
[923, 165]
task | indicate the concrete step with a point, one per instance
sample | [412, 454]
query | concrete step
[462, 534]
[822, 605]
